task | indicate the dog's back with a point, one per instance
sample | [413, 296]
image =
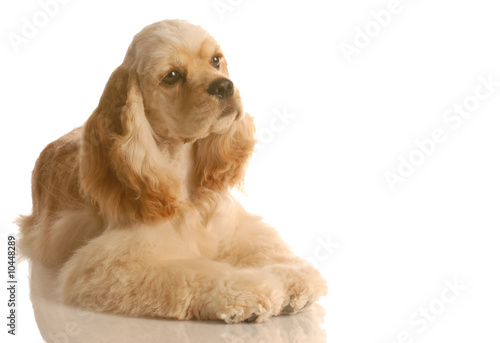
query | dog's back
[61, 219]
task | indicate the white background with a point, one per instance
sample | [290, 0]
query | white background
[320, 176]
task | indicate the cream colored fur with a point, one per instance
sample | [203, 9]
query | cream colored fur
[134, 208]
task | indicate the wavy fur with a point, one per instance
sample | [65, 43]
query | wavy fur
[134, 208]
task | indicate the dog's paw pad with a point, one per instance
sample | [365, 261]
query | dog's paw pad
[289, 308]
[252, 318]
[295, 305]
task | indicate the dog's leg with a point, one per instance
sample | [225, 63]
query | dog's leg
[138, 274]
[258, 245]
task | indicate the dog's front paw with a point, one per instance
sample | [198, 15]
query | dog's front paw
[251, 297]
[303, 286]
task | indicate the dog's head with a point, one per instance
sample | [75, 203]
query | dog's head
[172, 88]
[183, 78]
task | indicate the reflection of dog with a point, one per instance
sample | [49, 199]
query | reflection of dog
[134, 206]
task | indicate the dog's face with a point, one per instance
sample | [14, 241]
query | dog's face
[184, 80]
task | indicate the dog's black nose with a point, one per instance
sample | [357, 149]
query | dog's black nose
[221, 88]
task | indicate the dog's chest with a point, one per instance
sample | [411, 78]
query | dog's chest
[184, 169]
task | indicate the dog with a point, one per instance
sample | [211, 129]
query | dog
[134, 208]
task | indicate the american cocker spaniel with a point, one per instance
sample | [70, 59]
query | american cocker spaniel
[134, 210]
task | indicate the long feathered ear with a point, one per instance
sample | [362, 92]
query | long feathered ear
[221, 159]
[121, 167]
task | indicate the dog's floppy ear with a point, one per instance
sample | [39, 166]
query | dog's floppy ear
[221, 159]
[121, 168]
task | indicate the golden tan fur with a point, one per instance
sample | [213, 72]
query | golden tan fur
[134, 207]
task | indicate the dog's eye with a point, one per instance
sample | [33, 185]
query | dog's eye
[216, 61]
[172, 77]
